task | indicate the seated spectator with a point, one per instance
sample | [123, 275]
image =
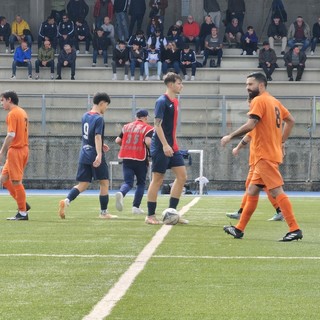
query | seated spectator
[45, 59]
[48, 31]
[188, 60]
[67, 59]
[108, 29]
[57, 10]
[295, 58]
[100, 45]
[82, 34]
[65, 31]
[171, 58]
[267, 60]
[5, 31]
[102, 9]
[153, 60]
[176, 38]
[234, 33]
[299, 32]
[77, 9]
[315, 36]
[249, 42]
[236, 9]
[191, 32]
[136, 57]
[213, 46]
[277, 31]
[205, 30]
[152, 26]
[20, 31]
[138, 38]
[177, 26]
[22, 58]
[159, 41]
[120, 59]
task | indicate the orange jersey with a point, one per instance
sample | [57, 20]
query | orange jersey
[267, 138]
[17, 122]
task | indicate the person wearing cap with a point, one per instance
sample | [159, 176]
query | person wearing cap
[267, 60]
[277, 31]
[299, 32]
[136, 57]
[134, 141]
[295, 59]
[188, 60]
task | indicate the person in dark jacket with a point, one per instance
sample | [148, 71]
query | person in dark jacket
[267, 60]
[67, 59]
[188, 60]
[139, 37]
[77, 9]
[315, 36]
[136, 57]
[236, 9]
[48, 31]
[205, 30]
[175, 37]
[65, 31]
[171, 58]
[5, 31]
[120, 59]
[82, 34]
[250, 42]
[277, 31]
[295, 58]
[212, 8]
[100, 45]
[137, 9]
[234, 33]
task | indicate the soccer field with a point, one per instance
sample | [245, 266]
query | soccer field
[61, 269]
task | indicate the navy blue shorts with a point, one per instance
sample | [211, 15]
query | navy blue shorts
[87, 172]
[160, 162]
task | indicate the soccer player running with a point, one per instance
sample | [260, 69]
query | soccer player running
[16, 150]
[164, 148]
[92, 163]
[266, 117]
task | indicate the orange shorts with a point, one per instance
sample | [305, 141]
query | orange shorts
[16, 162]
[267, 173]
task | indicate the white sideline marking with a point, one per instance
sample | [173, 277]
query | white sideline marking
[104, 307]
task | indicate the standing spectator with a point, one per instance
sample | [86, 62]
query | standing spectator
[278, 10]
[175, 37]
[315, 36]
[67, 59]
[234, 33]
[277, 31]
[205, 30]
[134, 139]
[15, 149]
[139, 38]
[48, 31]
[20, 30]
[45, 59]
[295, 58]
[58, 10]
[299, 32]
[213, 46]
[153, 60]
[100, 45]
[158, 40]
[5, 31]
[158, 9]
[136, 57]
[171, 58]
[237, 9]
[101, 9]
[82, 34]
[267, 60]
[249, 42]
[188, 60]
[191, 32]
[212, 9]
[77, 9]
[22, 58]
[108, 29]
[65, 31]
[92, 162]
[120, 59]
[137, 9]
[120, 11]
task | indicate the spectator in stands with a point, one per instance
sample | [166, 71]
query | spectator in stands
[176, 38]
[153, 60]
[138, 38]
[212, 9]
[158, 9]
[58, 10]
[48, 31]
[5, 31]
[120, 59]
[20, 30]
[77, 9]
[137, 9]
[171, 58]
[82, 34]
[136, 57]
[267, 60]
[22, 58]
[277, 31]
[249, 42]
[295, 58]
[152, 26]
[102, 9]
[188, 60]
[278, 10]
[177, 26]
[158, 40]
[45, 59]
[120, 11]
[213, 46]
[299, 32]
[315, 36]
[65, 31]
[108, 29]
[191, 32]
[205, 30]
[100, 45]
[67, 59]
[236, 9]
[234, 33]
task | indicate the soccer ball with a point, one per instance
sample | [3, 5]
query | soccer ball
[170, 216]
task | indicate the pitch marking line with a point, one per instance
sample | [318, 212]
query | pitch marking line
[104, 307]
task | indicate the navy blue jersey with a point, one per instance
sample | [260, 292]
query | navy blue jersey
[92, 124]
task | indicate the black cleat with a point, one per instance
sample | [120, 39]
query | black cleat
[293, 235]
[233, 231]
[18, 216]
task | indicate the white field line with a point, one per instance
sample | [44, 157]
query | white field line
[104, 307]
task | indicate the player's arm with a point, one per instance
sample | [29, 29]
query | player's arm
[158, 128]
[98, 143]
[287, 128]
[242, 144]
[6, 144]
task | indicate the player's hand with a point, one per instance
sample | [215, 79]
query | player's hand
[97, 162]
[283, 150]
[168, 151]
[225, 140]
[235, 151]
[105, 148]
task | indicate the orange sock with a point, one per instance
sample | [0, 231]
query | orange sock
[244, 200]
[272, 200]
[9, 186]
[251, 204]
[21, 197]
[286, 208]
